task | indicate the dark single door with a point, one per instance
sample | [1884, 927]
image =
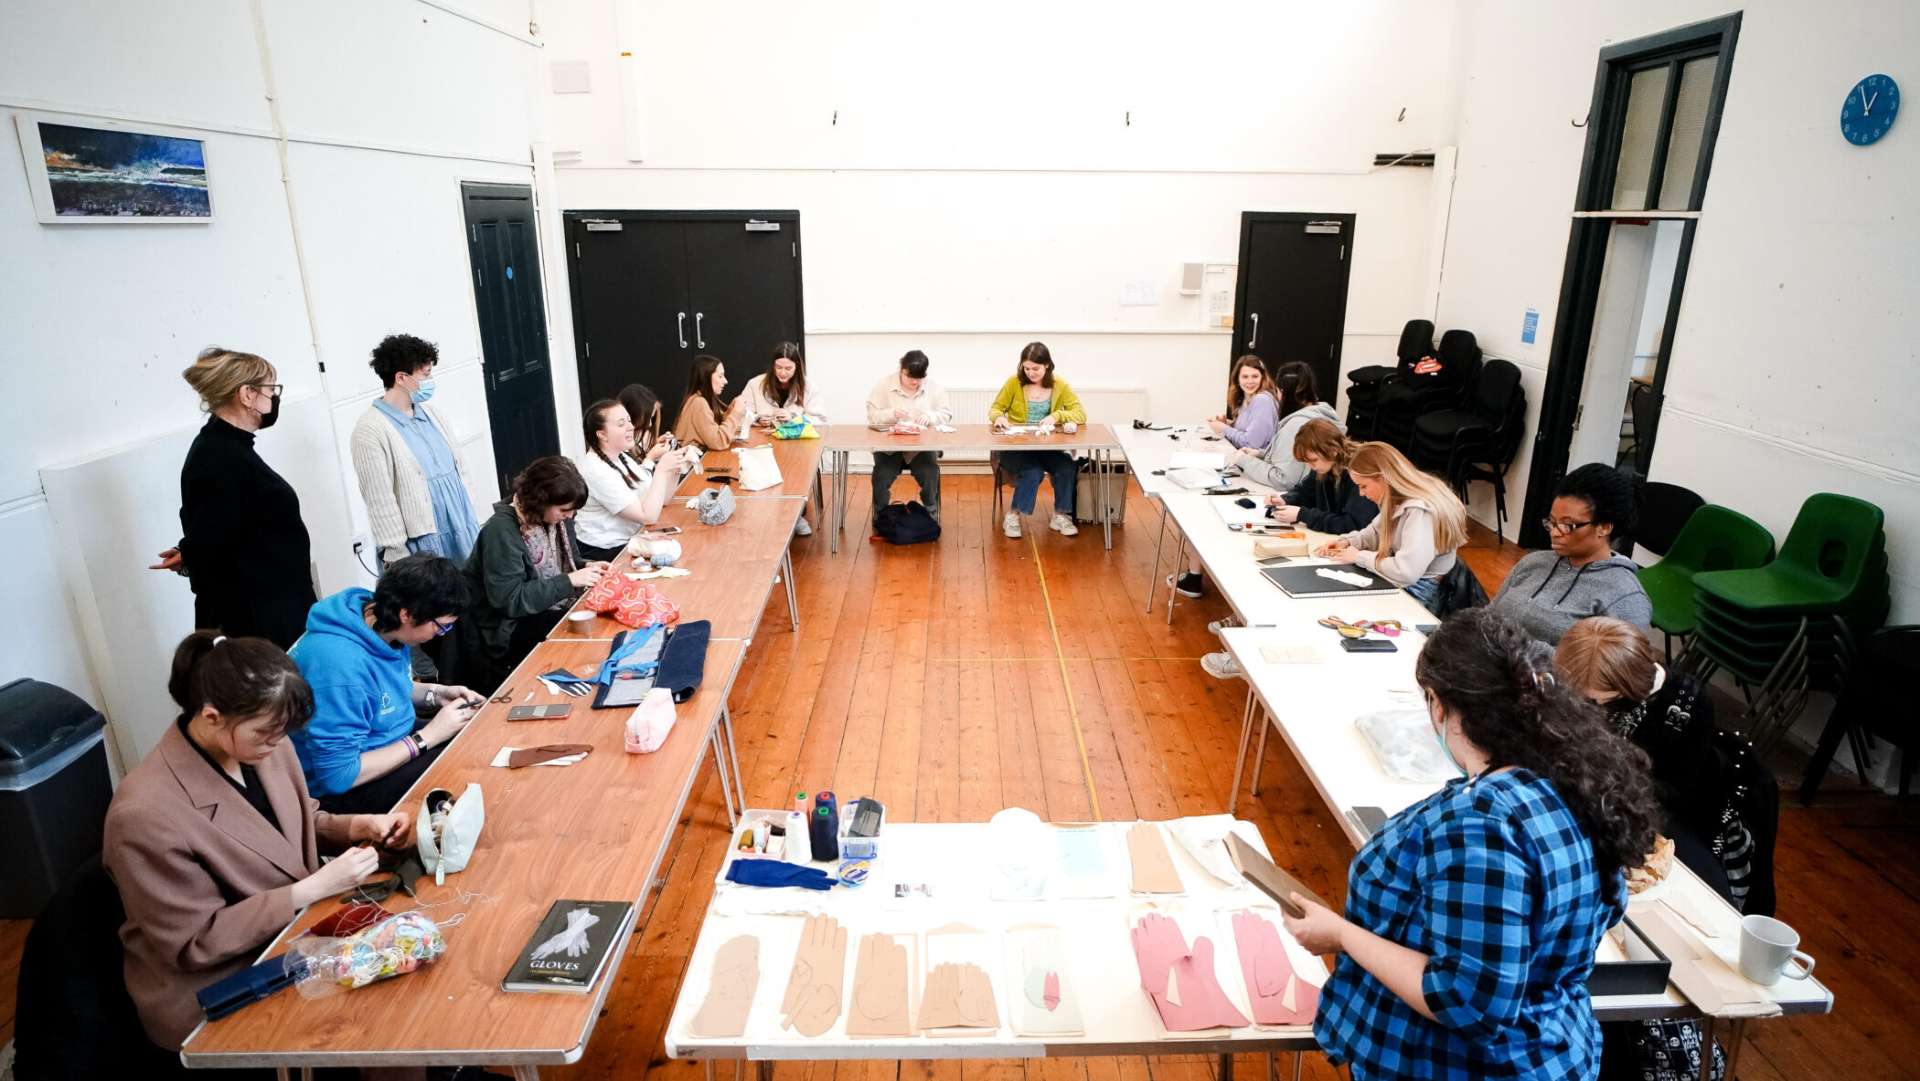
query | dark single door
[1291, 301]
[631, 317]
[504, 247]
[745, 288]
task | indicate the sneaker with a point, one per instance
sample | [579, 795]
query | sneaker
[1010, 525]
[1220, 666]
[802, 529]
[1187, 585]
[1216, 626]
[1064, 526]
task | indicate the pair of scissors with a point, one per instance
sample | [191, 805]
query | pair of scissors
[505, 695]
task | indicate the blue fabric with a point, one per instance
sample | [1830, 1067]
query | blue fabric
[1026, 466]
[362, 691]
[1427, 592]
[763, 872]
[1492, 879]
[635, 653]
[454, 524]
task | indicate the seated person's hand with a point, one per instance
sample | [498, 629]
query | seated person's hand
[1047, 425]
[393, 830]
[927, 420]
[1276, 500]
[468, 695]
[588, 576]
[1344, 554]
[1284, 514]
[902, 415]
[170, 561]
[342, 873]
[1218, 425]
[447, 723]
[1000, 422]
[659, 450]
[1327, 550]
[1426, 366]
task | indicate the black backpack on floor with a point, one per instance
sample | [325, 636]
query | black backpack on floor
[905, 523]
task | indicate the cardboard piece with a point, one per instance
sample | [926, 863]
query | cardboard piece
[1716, 987]
[812, 1001]
[736, 975]
[879, 989]
[1153, 870]
[1269, 879]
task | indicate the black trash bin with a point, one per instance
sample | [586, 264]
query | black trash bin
[54, 791]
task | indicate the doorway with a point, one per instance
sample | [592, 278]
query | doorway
[1291, 300]
[654, 289]
[1650, 134]
[504, 248]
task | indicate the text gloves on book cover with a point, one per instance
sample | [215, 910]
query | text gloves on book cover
[570, 948]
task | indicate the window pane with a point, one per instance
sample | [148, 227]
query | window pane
[1689, 126]
[1646, 94]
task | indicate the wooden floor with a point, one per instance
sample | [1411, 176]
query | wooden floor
[953, 679]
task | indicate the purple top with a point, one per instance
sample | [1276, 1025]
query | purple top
[1259, 418]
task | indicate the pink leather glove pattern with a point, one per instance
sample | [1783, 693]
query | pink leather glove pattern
[1180, 981]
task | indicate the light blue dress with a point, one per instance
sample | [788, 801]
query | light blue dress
[454, 524]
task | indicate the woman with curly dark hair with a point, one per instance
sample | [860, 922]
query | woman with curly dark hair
[1472, 916]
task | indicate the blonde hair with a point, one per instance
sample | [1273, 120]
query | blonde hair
[218, 374]
[1325, 439]
[1601, 653]
[1237, 397]
[1405, 484]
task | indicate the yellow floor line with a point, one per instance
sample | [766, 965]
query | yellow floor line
[1128, 660]
[1060, 654]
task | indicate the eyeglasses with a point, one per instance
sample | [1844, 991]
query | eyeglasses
[1552, 526]
[441, 627]
[273, 389]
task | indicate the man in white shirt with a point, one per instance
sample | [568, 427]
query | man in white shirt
[908, 397]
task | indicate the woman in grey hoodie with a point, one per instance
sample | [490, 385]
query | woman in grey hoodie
[1274, 465]
[1548, 592]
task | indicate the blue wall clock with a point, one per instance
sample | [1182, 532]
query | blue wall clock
[1869, 109]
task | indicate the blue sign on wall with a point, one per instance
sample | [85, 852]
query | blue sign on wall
[1530, 326]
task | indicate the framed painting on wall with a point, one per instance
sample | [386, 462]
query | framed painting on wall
[84, 171]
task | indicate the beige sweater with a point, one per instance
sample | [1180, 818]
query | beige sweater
[392, 481]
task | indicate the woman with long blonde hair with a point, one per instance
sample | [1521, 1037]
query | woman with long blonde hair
[1421, 523]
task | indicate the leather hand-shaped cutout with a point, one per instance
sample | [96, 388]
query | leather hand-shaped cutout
[736, 974]
[812, 1002]
[879, 989]
[1181, 982]
[961, 996]
[1278, 994]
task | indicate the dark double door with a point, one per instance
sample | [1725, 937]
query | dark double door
[652, 290]
[1291, 299]
[503, 246]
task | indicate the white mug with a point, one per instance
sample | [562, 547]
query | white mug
[1768, 951]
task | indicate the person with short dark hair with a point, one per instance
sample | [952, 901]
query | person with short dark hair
[1473, 915]
[524, 571]
[1548, 592]
[367, 742]
[407, 460]
[213, 841]
[908, 400]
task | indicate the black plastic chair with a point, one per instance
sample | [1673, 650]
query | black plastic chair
[1407, 397]
[1365, 383]
[1640, 408]
[1485, 454]
[1660, 511]
[1875, 701]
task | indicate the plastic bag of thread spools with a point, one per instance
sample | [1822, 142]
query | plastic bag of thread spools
[1407, 746]
[393, 947]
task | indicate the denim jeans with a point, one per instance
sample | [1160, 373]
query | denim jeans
[1026, 466]
[1426, 591]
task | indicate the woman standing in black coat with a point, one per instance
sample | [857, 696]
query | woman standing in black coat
[242, 543]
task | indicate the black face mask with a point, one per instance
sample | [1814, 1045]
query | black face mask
[272, 414]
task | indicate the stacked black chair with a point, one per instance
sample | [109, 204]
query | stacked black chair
[1363, 393]
[1879, 704]
[1659, 512]
[1410, 395]
[1479, 439]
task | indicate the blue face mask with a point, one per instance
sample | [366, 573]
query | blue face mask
[422, 392]
[1440, 733]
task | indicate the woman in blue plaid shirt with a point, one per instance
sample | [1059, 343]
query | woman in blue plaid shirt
[1472, 916]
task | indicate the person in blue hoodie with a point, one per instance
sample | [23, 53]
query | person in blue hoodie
[366, 744]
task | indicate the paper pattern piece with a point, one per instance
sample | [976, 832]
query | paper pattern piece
[1205, 840]
[1290, 654]
[736, 975]
[812, 1001]
[960, 996]
[1708, 982]
[1278, 994]
[553, 754]
[1194, 479]
[1358, 581]
[1085, 867]
[1180, 980]
[1153, 870]
[1043, 1002]
[879, 989]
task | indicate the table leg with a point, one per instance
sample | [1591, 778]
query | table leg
[708, 1063]
[1153, 572]
[733, 758]
[1179, 561]
[1736, 1036]
[526, 1073]
[1240, 759]
[793, 601]
[1226, 1068]
[1299, 1060]
[1260, 756]
[726, 783]
[1106, 494]
[764, 1069]
[1706, 1051]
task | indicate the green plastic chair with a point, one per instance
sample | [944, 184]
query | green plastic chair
[1828, 559]
[1714, 539]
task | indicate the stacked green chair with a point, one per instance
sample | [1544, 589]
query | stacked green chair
[1713, 539]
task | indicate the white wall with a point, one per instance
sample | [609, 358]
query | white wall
[1794, 362]
[982, 186]
[387, 106]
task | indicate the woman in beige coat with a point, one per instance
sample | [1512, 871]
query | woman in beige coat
[212, 839]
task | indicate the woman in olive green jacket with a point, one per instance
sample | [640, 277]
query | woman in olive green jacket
[1034, 397]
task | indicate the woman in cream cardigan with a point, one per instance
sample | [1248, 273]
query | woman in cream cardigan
[1034, 396]
[404, 456]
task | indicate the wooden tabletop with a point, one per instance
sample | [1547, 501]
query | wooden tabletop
[733, 568]
[799, 463]
[596, 830]
[841, 437]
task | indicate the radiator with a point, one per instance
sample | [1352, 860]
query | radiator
[1115, 408]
